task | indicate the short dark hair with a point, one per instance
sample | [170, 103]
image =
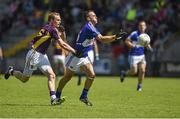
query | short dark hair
[51, 15]
[86, 13]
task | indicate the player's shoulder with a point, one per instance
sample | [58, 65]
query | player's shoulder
[89, 26]
[49, 28]
[134, 33]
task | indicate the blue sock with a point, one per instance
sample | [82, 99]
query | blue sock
[84, 93]
[139, 85]
[58, 94]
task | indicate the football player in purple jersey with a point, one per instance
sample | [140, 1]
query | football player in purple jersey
[36, 56]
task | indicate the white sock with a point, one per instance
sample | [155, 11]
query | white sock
[53, 97]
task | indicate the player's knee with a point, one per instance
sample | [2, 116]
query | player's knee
[91, 77]
[143, 71]
[52, 76]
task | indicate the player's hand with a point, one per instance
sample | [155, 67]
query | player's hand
[78, 54]
[121, 34]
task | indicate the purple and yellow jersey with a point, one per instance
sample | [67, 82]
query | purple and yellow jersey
[86, 37]
[42, 41]
[138, 50]
[57, 49]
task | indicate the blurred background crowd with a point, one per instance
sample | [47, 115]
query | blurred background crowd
[21, 18]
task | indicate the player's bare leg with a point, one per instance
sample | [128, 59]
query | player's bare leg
[142, 69]
[19, 75]
[132, 71]
[65, 79]
[88, 69]
[51, 83]
[51, 78]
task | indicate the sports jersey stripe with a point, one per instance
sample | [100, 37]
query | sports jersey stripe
[69, 61]
[89, 59]
[92, 27]
[40, 41]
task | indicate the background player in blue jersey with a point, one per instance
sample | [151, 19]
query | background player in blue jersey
[136, 57]
[84, 45]
[37, 58]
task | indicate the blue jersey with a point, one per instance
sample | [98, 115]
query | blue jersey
[138, 50]
[85, 39]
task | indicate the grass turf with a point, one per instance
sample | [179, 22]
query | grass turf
[160, 97]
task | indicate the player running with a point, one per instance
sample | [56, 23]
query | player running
[36, 56]
[84, 45]
[136, 58]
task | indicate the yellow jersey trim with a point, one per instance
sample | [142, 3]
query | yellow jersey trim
[40, 41]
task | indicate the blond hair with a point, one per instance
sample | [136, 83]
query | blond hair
[51, 15]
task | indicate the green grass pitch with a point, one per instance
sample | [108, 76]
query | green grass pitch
[111, 99]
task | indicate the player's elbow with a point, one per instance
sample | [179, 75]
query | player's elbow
[127, 42]
[100, 38]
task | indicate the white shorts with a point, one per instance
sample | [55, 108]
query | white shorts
[59, 59]
[134, 60]
[73, 63]
[35, 60]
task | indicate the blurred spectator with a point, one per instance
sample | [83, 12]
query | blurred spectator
[1, 60]
[162, 16]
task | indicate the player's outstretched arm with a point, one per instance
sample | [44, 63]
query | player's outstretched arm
[65, 46]
[111, 38]
[106, 39]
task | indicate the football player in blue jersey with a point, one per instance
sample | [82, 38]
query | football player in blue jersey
[37, 58]
[136, 57]
[84, 45]
[94, 55]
